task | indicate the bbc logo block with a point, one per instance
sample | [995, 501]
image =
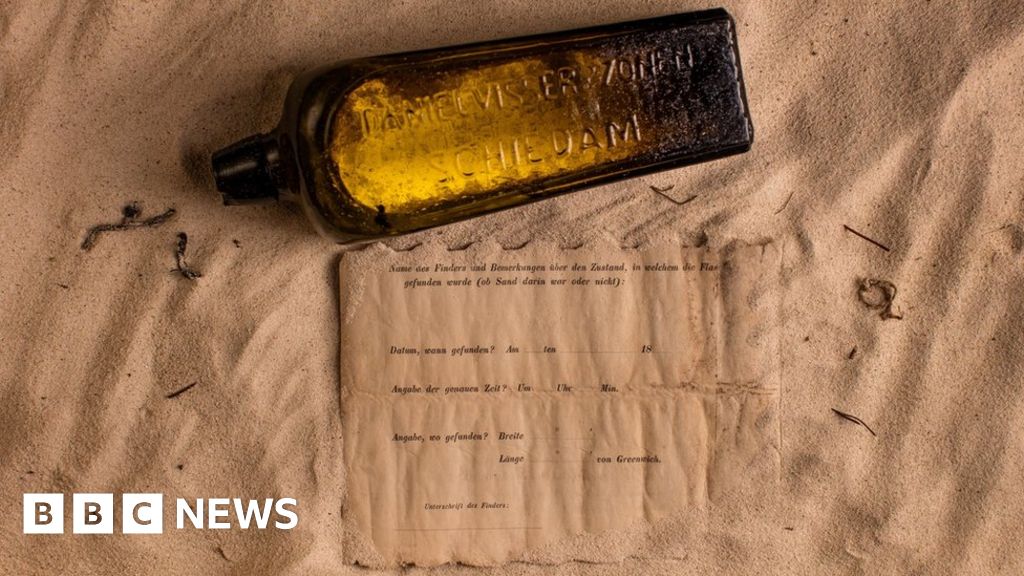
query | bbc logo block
[43, 514]
[142, 514]
[97, 513]
[93, 513]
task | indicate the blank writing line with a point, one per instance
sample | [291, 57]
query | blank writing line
[598, 352]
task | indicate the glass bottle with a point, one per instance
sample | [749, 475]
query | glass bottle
[382, 146]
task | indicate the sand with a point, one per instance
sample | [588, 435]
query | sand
[901, 121]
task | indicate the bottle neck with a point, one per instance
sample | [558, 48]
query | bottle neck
[249, 171]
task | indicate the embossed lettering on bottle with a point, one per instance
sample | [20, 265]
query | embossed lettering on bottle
[389, 145]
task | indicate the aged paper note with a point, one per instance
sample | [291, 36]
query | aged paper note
[495, 401]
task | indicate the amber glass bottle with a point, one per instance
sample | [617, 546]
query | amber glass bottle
[388, 145]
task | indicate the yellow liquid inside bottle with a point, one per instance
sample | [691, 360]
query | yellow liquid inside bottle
[394, 144]
[490, 127]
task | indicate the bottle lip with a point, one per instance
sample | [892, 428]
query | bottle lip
[248, 171]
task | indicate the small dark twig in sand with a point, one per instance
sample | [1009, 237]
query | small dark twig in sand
[786, 203]
[878, 295]
[131, 211]
[671, 199]
[853, 352]
[177, 393]
[665, 189]
[129, 219]
[180, 258]
[859, 235]
[854, 419]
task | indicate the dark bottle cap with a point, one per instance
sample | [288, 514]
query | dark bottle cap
[248, 171]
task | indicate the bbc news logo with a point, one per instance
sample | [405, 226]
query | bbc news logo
[144, 513]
